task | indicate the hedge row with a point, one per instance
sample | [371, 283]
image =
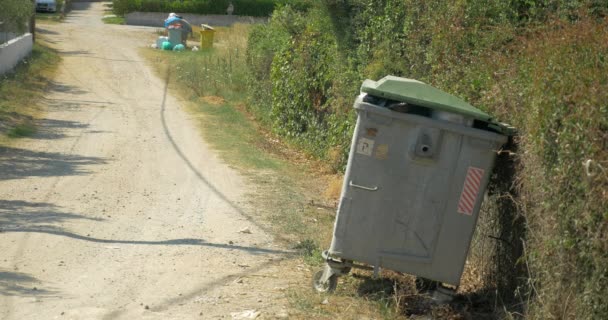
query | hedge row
[15, 15]
[256, 8]
[541, 65]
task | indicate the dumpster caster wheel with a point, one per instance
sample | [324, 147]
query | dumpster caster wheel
[326, 287]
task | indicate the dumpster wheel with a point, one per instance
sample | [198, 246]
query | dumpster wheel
[329, 286]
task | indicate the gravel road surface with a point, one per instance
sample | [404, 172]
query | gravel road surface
[116, 208]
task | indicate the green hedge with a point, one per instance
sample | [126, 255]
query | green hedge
[539, 65]
[15, 15]
[256, 8]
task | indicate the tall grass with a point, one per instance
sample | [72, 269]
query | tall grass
[220, 71]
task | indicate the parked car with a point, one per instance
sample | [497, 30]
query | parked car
[46, 5]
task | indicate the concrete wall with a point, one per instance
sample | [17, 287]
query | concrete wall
[156, 19]
[14, 51]
[6, 36]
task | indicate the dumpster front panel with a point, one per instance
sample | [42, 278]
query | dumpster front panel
[402, 190]
[177, 36]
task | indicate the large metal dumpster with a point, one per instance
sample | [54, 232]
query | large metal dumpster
[178, 30]
[419, 164]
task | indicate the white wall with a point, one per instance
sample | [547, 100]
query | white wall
[6, 36]
[14, 51]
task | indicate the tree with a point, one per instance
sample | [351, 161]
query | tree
[15, 14]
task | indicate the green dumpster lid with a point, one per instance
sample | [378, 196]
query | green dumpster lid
[421, 94]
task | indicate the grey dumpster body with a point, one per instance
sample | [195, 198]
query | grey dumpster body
[415, 180]
[177, 36]
[178, 31]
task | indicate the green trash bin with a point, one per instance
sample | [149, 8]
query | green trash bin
[419, 164]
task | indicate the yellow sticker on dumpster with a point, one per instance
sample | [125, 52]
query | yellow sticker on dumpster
[381, 152]
[365, 146]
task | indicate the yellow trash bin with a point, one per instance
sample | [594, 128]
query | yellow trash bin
[206, 36]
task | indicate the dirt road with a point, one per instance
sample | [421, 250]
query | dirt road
[116, 208]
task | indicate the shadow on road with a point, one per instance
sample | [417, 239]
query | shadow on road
[25, 214]
[49, 129]
[16, 163]
[74, 52]
[172, 242]
[23, 285]
[64, 88]
[46, 31]
[110, 59]
[204, 288]
[39, 217]
[75, 104]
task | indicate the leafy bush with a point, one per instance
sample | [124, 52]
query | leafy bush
[256, 8]
[540, 65]
[14, 15]
[565, 114]
[294, 65]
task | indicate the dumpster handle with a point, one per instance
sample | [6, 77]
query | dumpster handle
[362, 187]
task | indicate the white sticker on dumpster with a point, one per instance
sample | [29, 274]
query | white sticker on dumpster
[365, 146]
[470, 191]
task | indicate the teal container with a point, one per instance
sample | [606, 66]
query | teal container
[167, 45]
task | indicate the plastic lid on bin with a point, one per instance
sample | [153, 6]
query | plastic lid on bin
[421, 94]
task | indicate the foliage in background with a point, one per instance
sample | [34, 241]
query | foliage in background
[295, 82]
[539, 65]
[15, 15]
[256, 8]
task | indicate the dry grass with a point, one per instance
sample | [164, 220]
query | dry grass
[213, 100]
[334, 188]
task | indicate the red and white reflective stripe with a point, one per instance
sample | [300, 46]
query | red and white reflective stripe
[470, 191]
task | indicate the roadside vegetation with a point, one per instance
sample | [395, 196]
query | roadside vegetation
[14, 15]
[109, 16]
[541, 247]
[112, 19]
[21, 91]
[256, 8]
[539, 65]
[22, 88]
